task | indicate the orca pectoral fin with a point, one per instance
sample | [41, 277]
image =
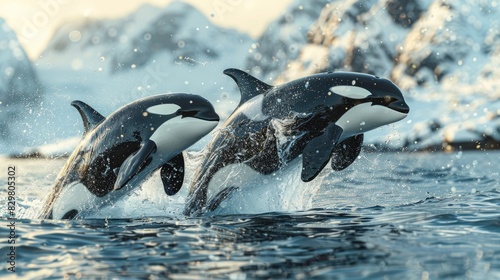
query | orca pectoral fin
[346, 152]
[172, 174]
[91, 118]
[134, 164]
[318, 151]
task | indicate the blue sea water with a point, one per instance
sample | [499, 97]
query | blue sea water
[388, 216]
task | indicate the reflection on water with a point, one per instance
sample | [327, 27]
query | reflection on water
[390, 216]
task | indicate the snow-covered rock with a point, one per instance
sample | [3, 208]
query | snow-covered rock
[20, 91]
[443, 54]
[448, 59]
[283, 39]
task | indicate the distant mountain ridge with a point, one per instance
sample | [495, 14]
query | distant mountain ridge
[133, 41]
[20, 90]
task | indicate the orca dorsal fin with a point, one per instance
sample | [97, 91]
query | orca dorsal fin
[249, 85]
[91, 118]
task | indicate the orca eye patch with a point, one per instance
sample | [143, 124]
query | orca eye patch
[352, 92]
[163, 109]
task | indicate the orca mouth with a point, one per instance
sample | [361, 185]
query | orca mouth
[393, 103]
[205, 115]
[400, 106]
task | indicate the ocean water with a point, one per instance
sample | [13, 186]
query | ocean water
[388, 216]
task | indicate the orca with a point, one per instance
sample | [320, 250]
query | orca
[117, 153]
[320, 118]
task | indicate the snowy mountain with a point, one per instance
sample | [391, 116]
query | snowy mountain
[443, 54]
[20, 90]
[179, 30]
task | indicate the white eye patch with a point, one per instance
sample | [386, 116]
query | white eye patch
[163, 109]
[350, 91]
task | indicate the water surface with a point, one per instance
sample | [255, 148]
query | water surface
[388, 216]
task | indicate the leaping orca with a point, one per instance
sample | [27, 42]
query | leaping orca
[117, 153]
[321, 117]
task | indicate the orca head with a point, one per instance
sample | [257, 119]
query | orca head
[182, 122]
[172, 126]
[373, 102]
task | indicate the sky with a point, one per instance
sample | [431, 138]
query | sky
[35, 21]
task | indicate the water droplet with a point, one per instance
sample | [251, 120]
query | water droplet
[353, 82]
[75, 36]
[77, 64]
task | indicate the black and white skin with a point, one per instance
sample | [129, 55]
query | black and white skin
[320, 118]
[118, 153]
